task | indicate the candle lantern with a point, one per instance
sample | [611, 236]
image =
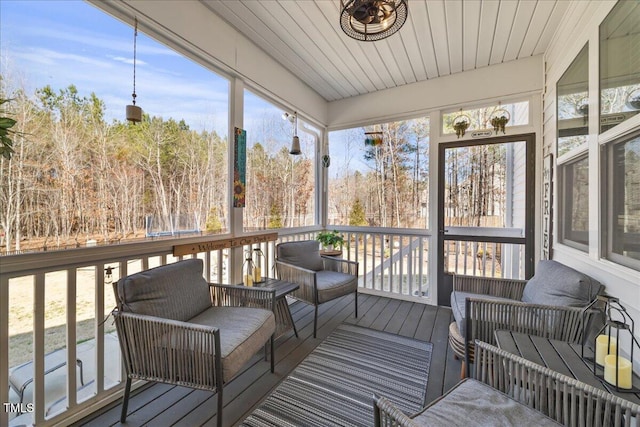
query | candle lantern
[617, 333]
[248, 269]
[258, 265]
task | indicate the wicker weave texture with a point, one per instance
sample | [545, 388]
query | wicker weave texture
[565, 400]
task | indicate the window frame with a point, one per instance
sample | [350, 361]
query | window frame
[565, 204]
[611, 197]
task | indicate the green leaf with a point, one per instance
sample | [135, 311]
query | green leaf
[6, 122]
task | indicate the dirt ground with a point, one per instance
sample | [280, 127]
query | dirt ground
[21, 300]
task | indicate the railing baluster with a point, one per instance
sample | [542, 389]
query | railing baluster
[38, 347]
[72, 281]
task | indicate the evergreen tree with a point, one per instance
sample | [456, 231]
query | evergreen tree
[357, 216]
[213, 224]
[275, 217]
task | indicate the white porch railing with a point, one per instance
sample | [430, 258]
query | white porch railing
[53, 306]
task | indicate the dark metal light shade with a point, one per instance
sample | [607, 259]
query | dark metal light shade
[295, 146]
[371, 20]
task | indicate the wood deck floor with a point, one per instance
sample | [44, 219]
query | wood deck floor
[165, 405]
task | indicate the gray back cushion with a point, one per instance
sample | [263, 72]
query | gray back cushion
[305, 254]
[559, 285]
[174, 291]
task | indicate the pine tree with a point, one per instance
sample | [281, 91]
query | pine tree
[357, 215]
[213, 224]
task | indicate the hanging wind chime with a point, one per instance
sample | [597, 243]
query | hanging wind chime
[373, 138]
[134, 112]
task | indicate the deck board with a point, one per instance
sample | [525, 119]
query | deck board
[165, 405]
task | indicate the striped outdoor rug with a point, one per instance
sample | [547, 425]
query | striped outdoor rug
[334, 385]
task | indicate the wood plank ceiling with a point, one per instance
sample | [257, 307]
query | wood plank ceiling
[440, 37]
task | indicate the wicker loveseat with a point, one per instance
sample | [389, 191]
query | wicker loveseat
[550, 304]
[175, 328]
[508, 390]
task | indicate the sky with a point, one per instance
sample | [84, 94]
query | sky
[59, 43]
[65, 42]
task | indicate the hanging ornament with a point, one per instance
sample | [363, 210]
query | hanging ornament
[373, 138]
[134, 112]
[499, 119]
[461, 123]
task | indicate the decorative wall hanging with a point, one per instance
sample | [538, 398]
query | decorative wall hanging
[373, 138]
[134, 112]
[582, 106]
[371, 20]
[633, 99]
[239, 167]
[499, 120]
[460, 124]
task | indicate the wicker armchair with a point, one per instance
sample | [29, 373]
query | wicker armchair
[321, 278]
[510, 390]
[548, 305]
[173, 327]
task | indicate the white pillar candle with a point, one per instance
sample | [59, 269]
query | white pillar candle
[623, 370]
[257, 274]
[601, 347]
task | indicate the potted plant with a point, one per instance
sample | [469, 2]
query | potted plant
[460, 127]
[331, 239]
[6, 123]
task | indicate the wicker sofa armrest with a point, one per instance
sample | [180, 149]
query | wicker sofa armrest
[306, 279]
[504, 288]
[566, 400]
[340, 265]
[386, 414]
[242, 296]
[554, 322]
[166, 350]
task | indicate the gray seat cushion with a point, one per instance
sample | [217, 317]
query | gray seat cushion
[474, 403]
[174, 291]
[305, 254]
[556, 284]
[458, 306]
[243, 331]
[332, 284]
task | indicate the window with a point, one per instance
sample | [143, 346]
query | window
[574, 203]
[280, 187]
[620, 64]
[480, 118]
[622, 178]
[572, 103]
[84, 175]
[379, 175]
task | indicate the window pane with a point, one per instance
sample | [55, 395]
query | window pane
[573, 106]
[379, 176]
[280, 186]
[620, 64]
[485, 186]
[574, 203]
[624, 200]
[480, 118]
[84, 175]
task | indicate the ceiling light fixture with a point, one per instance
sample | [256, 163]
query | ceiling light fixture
[134, 113]
[371, 20]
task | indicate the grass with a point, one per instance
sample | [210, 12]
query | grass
[21, 312]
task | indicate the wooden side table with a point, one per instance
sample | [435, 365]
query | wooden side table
[334, 253]
[560, 356]
[284, 320]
